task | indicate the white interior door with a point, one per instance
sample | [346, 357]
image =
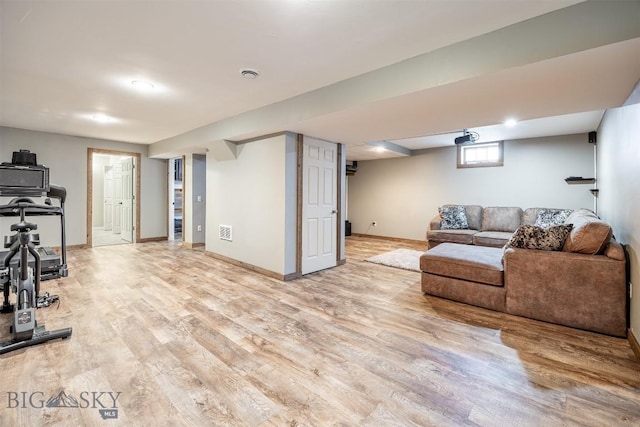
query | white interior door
[107, 214]
[320, 204]
[127, 199]
[117, 198]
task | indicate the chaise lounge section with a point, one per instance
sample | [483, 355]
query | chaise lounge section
[470, 274]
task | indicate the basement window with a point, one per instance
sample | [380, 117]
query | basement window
[489, 154]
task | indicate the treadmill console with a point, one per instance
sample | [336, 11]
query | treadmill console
[23, 176]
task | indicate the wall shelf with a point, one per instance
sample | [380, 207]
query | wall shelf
[579, 180]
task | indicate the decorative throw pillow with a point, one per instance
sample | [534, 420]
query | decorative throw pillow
[549, 217]
[545, 239]
[453, 218]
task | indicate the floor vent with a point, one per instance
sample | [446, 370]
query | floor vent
[225, 232]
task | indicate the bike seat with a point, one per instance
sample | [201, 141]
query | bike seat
[24, 226]
[10, 240]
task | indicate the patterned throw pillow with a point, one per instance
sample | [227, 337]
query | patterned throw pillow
[453, 218]
[549, 217]
[545, 239]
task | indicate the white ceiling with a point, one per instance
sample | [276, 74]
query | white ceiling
[63, 62]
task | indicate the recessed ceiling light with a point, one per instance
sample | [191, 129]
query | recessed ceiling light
[381, 149]
[249, 73]
[142, 85]
[510, 122]
[102, 118]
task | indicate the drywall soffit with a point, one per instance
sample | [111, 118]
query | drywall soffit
[390, 146]
[223, 150]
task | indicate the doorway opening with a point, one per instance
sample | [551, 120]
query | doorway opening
[176, 201]
[112, 193]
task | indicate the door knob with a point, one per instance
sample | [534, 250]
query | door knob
[334, 211]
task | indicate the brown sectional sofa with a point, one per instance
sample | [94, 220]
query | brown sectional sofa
[583, 286]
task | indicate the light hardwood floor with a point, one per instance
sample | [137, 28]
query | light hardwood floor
[189, 340]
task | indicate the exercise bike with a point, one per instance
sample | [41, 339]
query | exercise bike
[23, 277]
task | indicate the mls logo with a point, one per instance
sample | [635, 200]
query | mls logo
[107, 414]
[62, 400]
[106, 402]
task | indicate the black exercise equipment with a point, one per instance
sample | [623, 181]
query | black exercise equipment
[21, 268]
[53, 265]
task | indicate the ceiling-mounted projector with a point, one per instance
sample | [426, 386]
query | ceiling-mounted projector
[463, 139]
[467, 137]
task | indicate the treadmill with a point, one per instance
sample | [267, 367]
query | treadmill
[53, 265]
[33, 181]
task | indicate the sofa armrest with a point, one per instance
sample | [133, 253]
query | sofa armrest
[435, 222]
[571, 289]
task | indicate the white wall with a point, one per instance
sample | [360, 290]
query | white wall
[618, 180]
[343, 202]
[66, 156]
[99, 162]
[254, 194]
[403, 194]
[194, 186]
[291, 203]
[154, 195]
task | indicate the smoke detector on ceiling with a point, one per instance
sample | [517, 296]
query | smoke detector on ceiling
[249, 73]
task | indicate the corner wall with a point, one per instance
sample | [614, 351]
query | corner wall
[618, 177]
[194, 186]
[66, 156]
[403, 194]
[255, 194]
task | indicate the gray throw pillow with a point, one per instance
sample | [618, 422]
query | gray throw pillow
[549, 217]
[545, 239]
[453, 218]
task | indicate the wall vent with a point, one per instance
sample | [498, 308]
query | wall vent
[225, 232]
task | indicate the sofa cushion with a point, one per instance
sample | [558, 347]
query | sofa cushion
[546, 218]
[474, 216]
[464, 237]
[615, 251]
[496, 239]
[590, 235]
[453, 218]
[530, 215]
[466, 262]
[501, 219]
[474, 293]
[546, 239]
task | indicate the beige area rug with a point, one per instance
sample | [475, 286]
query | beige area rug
[407, 259]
